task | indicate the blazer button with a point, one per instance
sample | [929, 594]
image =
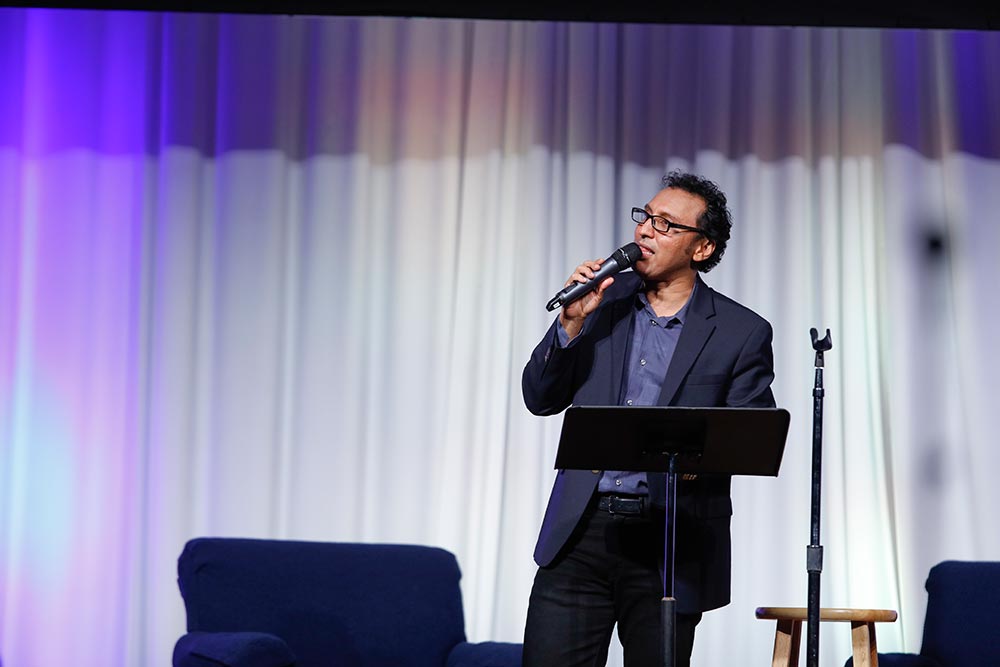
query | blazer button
[596, 472]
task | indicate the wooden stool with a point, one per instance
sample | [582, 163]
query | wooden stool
[789, 631]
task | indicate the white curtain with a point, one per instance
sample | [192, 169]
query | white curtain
[277, 277]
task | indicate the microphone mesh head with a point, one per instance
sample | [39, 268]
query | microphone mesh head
[630, 253]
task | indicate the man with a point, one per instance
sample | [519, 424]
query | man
[655, 336]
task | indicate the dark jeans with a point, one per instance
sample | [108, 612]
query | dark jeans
[607, 573]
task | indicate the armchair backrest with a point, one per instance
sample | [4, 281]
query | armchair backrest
[333, 604]
[962, 626]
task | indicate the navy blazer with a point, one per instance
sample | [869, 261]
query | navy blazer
[723, 358]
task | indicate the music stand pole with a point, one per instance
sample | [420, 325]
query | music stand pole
[814, 552]
[668, 605]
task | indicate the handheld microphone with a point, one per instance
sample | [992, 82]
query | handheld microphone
[620, 260]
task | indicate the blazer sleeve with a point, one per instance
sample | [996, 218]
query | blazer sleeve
[754, 371]
[547, 380]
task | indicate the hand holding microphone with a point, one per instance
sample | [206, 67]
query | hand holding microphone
[589, 280]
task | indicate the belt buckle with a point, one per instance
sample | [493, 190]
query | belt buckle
[625, 506]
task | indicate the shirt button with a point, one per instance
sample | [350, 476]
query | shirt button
[618, 482]
[653, 322]
[642, 362]
[628, 402]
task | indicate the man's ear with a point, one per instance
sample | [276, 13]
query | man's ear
[705, 249]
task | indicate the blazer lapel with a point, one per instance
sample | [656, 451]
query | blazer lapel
[696, 331]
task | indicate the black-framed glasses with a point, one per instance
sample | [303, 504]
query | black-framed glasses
[661, 224]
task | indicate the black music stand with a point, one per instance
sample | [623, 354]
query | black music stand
[674, 440]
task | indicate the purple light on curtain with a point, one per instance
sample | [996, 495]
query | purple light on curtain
[975, 60]
[73, 140]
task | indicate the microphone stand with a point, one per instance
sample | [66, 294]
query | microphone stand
[814, 552]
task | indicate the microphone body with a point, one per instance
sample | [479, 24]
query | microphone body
[620, 260]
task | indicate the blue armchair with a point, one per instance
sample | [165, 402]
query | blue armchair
[269, 603]
[962, 624]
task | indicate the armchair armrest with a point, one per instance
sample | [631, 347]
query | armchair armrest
[485, 654]
[901, 660]
[232, 649]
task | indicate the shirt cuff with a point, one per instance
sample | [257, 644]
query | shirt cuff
[562, 338]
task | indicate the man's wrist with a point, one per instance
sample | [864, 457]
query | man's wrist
[570, 327]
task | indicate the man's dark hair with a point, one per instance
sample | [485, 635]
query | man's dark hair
[715, 221]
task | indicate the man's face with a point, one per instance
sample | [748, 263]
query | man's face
[668, 254]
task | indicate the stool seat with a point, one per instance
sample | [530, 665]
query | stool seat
[828, 614]
[788, 631]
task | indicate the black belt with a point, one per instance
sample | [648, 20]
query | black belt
[622, 505]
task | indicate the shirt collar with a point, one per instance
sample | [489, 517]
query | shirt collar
[681, 315]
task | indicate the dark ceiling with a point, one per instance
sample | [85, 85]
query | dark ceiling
[959, 14]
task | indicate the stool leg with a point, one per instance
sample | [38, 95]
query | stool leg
[787, 635]
[864, 644]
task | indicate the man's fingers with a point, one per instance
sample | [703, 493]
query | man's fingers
[594, 266]
[584, 272]
[593, 300]
[599, 292]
